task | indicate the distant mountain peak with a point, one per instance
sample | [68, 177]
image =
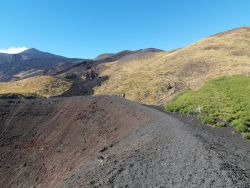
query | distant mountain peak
[28, 63]
[120, 54]
[31, 51]
[35, 53]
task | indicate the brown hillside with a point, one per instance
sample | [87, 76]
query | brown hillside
[153, 78]
[39, 86]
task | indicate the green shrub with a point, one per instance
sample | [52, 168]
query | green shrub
[225, 98]
[220, 124]
[246, 135]
[237, 122]
[207, 120]
[241, 128]
[229, 117]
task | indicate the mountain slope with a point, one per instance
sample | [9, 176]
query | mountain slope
[28, 63]
[115, 56]
[77, 72]
[153, 78]
[110, 142]
[38, 86]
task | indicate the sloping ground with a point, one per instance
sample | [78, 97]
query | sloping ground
[219, 102]
[39, 86]
[43, 140]
[109, 57]
[28, 63]
[76, 72]
[110, 142]
[153, 78]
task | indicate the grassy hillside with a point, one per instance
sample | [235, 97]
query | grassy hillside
[43, 86]
[154, 78]
[221, 100]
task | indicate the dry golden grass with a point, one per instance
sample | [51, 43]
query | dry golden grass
[41, 86]
[153, 78]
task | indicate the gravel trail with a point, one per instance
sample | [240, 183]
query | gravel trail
[171, 152]
[111, 142]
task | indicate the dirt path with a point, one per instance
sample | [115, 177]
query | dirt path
[110, 142]
[169, 153]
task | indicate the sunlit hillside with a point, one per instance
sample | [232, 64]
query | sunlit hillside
[153, 78]
[42, 86]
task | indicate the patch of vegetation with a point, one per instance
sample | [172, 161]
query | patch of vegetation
[246, 136]
[40, 86]
[225, 99]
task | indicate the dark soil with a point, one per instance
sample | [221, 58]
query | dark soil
[110, 142]
[82, 87]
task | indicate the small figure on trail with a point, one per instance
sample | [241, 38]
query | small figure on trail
[123, 95]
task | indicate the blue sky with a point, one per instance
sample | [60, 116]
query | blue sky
[86, 28]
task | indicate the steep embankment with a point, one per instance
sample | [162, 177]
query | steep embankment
[154, 77]
[109, 142]
[43, 140]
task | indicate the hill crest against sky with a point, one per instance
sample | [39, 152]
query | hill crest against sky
[86, 29]
[155, 78]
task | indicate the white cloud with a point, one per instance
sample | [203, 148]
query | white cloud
[13, 50]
